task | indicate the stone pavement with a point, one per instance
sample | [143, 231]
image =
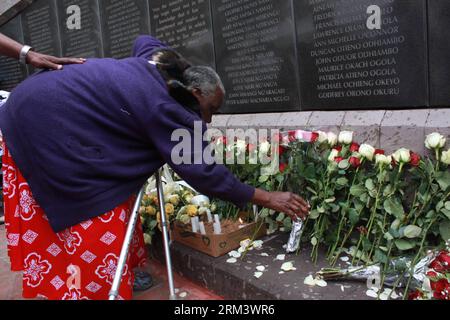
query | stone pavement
[11, 283]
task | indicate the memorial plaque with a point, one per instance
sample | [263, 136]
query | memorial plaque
[356, 54]
[11, 72]
[185, 26]
[255, 55]
[122, 22]
[439, 50]
[79, 24]
[40, 28]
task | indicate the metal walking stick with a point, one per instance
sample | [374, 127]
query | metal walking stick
[114, 293]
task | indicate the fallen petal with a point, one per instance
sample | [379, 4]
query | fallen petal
[288, 266]
[280, 257]
[183, 295]
[258, 275]
[372, 294]
[321, 283]
[232, 260]
[234, 254]
[345, 259]
[310, 281]
[261, 268]
[264, 254]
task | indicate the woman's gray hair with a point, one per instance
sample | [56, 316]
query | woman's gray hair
[203, 78]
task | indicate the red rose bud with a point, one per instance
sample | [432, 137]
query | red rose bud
[338, 148]
[415, 159]
[314, 137]
[292, 136]
[355, 162]
[354, 147]
[338, 159]
[379, 151]
[283, 167]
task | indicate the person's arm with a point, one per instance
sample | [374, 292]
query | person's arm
[213, 180]
[11, 48]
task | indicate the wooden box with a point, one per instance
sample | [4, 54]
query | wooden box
[218, 245]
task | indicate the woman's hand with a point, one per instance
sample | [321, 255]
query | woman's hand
[286, 202]
[42, 61]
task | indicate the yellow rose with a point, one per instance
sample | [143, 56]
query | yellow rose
[174, 199]
[151, 211]
[191, 210]
[142, 210]
[170, 209]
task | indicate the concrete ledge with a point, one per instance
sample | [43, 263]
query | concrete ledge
[389, 130]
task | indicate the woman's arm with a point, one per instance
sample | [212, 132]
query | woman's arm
[11, 48]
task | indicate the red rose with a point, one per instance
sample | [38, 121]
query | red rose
[355, 162]
[338, 159]
[415, 159]
[431, 274]
[441, 289]
[379, 151]
[314, 137]
[283, 167]
[281, 150]
[354, 147]
[442, 263]
[415, 295]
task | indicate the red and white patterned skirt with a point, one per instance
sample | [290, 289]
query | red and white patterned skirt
[78, 263]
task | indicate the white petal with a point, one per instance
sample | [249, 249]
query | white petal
[342, 289]
[234, 254]
[280, 257]
[281, 272]
[232, 260]
[258, 275]
[258, 244]
[310, 281]
[261, 268]
[288, 266]
[372, 294]
[345, 259]
[264, 254]
[183, 295]
[321, 283]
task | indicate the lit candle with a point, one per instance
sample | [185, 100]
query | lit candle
[202, 228]
[194, 225]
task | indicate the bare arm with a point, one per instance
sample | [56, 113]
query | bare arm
[286, 202]
[11, 48]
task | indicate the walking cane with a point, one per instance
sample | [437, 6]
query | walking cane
[114, 293]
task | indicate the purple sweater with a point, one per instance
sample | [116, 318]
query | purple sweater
[88, 137]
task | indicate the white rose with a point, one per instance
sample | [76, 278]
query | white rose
[381, 159]
[299, 135]
[264, 148]
[402, 155]
[367, 151]
[346, 137]
[435, 141]
[241, 146]
[323, 137]
[445, 157]
[332, 139]
[334, 153]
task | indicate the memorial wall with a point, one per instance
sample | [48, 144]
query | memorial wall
[273, 55]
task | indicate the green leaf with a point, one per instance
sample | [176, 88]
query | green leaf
[370, 185]
[404, 245]
[280, 178]
[281, 217]
[287, 223]
[446, 213]
[331, 200]
[314, 241]
[412, 231]
[357, 190]
[443, 178]
[353, 216]
[263, 179]
[342, 182]
[444, 230]
[447, 205]
[394, 207]
[314, 215]
[388, 236]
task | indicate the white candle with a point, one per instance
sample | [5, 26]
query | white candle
[194, 225]
[217, 219]
[210, 218]
[202, 228]
[217, 228]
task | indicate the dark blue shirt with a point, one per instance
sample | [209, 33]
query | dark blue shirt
[87, 137]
